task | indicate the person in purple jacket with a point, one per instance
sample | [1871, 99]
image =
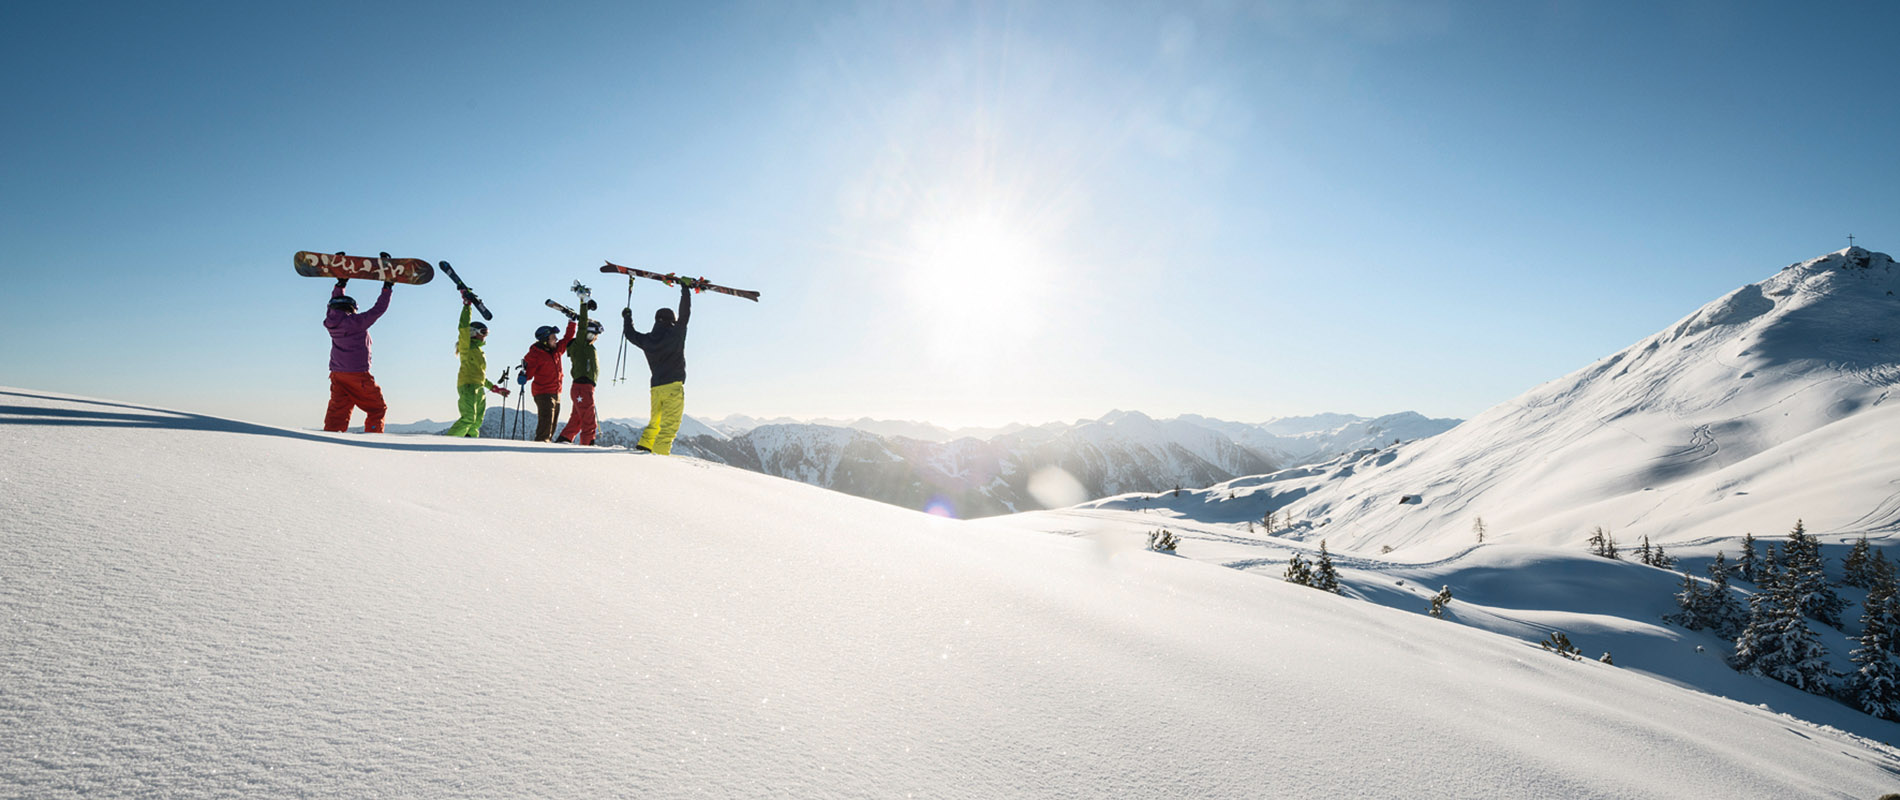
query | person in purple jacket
[351, 386]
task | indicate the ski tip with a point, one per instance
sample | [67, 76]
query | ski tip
[443, 264]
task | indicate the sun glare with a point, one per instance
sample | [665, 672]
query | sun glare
[972, 283]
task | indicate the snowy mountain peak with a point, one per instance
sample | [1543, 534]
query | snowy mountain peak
[1118, 417]
[1728, 421]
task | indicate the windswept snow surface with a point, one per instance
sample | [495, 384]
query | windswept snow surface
[195, 606]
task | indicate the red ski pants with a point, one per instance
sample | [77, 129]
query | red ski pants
[350, 391]
[581, 425]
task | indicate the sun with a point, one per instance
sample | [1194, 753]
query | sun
[974, 282]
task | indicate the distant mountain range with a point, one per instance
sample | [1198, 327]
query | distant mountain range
[959, 473]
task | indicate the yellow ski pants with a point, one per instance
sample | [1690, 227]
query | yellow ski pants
[669, 402]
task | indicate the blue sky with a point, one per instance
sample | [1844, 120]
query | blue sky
[966, 213]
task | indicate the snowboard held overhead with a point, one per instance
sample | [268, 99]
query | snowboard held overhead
[337, 265]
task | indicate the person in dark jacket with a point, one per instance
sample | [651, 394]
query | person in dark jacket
[351, 386]
[543, 363]
[665, 348]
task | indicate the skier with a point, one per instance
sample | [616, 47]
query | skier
[581, 424]
[351, 386]
[543, 363]
[665, 348]
[470, 381]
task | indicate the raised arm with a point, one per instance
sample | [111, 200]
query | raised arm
[686, 304]
[626, 329]
[375, 312]
[463, 332]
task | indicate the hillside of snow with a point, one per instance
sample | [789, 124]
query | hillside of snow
[1768, 405]
[195, 606]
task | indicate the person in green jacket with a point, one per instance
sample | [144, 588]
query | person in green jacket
[470, 381]
[582, 426]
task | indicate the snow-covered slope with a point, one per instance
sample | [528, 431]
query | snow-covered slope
[203, 607]
[1770, 404]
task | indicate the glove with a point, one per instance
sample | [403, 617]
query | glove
[627, 314]
[341, 281]
[500, 390]
[388, 285]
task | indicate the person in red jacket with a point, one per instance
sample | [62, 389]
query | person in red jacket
[543, 364]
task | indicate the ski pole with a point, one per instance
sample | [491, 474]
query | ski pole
[504, 401]
[620, 364]
[521, 401]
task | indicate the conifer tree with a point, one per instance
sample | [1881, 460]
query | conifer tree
[1440, 600]
[1559, 642]
[1749, 564]
[1723, 608]
[1694, 604]
[1602, 543]
[1802, 568]
[1778, 642]
[1759, 635]
[1874, 685]
[1642, 553]
[1325, 578]
[1856, 565]
[1299, 571]
[1478, 528]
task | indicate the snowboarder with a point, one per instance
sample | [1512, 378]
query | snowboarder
[665, 348]
[351, 386]
[543, 364]
[471, 380]
[582, 426]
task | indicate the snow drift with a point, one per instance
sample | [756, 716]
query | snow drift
[200, 606]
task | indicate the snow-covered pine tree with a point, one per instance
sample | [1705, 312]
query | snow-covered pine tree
[1559, 642]
[1726, 611]
[1854, 567]
[1803, 571]
[1477, 527]
[1325, 578]
[1440, 600]
[1693, 604]
[1874, 685]
[1759, 635]
[1778, 643]
[1662, 560]
[1299, 571]
[1750, 563]
[1881, 572]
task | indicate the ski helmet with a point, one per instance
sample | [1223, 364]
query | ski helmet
[542, 333]
[663, 316]
[478, 328]
[343, 301]
[594, 327]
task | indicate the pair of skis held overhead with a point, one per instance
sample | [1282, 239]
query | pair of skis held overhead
[417, 271]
